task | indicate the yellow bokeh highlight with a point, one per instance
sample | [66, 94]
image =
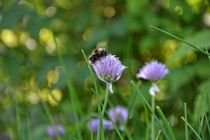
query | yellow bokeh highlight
[9, 38]
[57, 94]
[52, 97]
[195, 4]
[65, 4]
[33, 98]
[191, 57]
[169, 48]
[86, 34]
[23, 37]
[52, 101]
[46, 35]
[47, 39]
[52, 77]
[109, 11]
[44, 94]
[55, 97]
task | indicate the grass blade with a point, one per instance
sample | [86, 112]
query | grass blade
[18, 123]
[105, 100]
[28, 125]
[121, 122]
[100, 131]
[194, 131]
[185, 116]
[178, 38]
[158, 135]
[71, 90]
[49, 116]
[166, 123]
[150, 109]
[207, 123]
[153, 118]
[115, 127]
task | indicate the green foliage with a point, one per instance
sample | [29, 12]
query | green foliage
[200, 39]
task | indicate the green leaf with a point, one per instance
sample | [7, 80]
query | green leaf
[202, 102]
[200, 40]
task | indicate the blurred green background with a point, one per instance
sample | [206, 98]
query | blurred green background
[30, 72]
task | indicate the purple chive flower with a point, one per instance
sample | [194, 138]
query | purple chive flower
[94, 124]
[108, 69]
[119, 115]
[52, 130]
[153, 71]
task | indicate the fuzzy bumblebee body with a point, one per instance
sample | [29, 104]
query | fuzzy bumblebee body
[97, 54]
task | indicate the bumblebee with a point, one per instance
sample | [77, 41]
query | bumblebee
[97, 54]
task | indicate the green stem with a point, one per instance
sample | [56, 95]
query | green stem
[18, 123]
[185, 116]
[28, 125]
[166, 123]
[72, 95]
[100, 130]
[115, 127]
[153, 118]
[178, 38]
[103, 111]
[49, 116]
[105, 100]
[194, 131]
[125, 131]
[207, 123]
[150, 109]
[158, 135]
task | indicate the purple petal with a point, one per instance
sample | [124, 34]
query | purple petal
[119, 114]
[51, 130]
[94, 124]
[153, 71]
[108, 69]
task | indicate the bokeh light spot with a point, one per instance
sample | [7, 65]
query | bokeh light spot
[109, 11]
[169, 48]
[9, 38]
[31, 44]
[55, 97]
[206, 18]
[44, 93]
[86, 34]
[33, 98]
[178, 10]
[57, 94]
[50, 11]
[46, 39]
[52, 77]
